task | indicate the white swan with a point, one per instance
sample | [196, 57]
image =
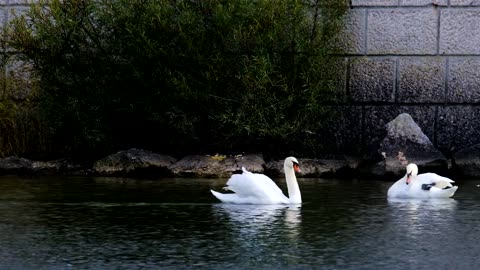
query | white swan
[422, 186]
[255, 188]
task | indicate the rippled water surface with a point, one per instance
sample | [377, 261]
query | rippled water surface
[105, 223]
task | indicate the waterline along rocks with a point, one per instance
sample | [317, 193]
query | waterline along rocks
[134, 162]
[404, 143]
[217, 165]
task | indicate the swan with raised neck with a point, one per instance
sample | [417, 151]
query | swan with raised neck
[256, 188]
[291, 166]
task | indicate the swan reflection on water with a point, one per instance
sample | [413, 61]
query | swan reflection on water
[423, 204]
[417, 216]
[250, 220]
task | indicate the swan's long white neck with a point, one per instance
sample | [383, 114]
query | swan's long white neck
[292, 185]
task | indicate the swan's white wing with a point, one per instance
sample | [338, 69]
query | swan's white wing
[234, 198]
[432, 185]
[435, 179]
[252, 188]
[442, 193]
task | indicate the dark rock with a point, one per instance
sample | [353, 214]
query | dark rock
[57, 167]
[377, 117]
[406, 143]
[323, 168]
[468, 161]
[217, 166]
[21, 166]
[15, 166]
[134, 162]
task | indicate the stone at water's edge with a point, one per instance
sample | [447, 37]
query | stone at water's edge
[468, 161]
[217, 166]
[134, 162]
[21, 166]
[406, 143]
[15, 166]
[57, 167]
[316, 168]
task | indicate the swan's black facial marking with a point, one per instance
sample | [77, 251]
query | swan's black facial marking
[409, 175]
[295, 166]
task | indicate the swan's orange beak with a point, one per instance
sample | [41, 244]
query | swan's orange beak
[296, 168]
[409, 178]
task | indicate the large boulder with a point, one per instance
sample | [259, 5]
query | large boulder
[217, 166]
[134, 162]
[467, 161]
[406, 143]
[323, 168]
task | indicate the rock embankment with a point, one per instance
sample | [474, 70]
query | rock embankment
[134, 162]
[404, 143]
[21, 166]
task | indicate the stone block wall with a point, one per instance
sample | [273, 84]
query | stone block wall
[421, 57]
[416, 56]
[15, 74]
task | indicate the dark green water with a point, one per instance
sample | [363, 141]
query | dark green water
[104, 223]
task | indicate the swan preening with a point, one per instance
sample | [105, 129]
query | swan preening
[425, 185]
[255, 188]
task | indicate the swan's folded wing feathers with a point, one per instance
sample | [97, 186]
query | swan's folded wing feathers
[436, 180]
[436, 192]
[256, 185]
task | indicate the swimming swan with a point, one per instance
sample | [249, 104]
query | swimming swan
[255, 188]
[425, 185]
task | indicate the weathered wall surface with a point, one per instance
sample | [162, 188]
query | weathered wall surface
[14, 74]
[421, 57]
[416, 56]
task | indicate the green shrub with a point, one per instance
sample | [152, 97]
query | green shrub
[181, 76]
[22, 130]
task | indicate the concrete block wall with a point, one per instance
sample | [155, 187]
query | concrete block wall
[15, 73]
[416, 56]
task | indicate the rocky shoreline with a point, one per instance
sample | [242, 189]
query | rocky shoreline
[404, 143]
[143, 163]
